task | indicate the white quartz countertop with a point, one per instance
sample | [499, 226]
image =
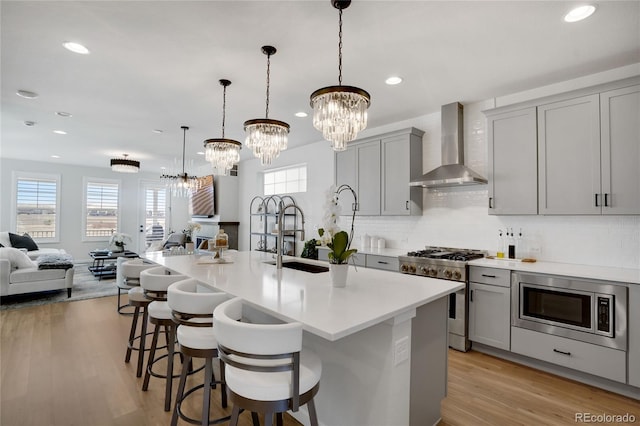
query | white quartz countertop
[623, 275]
[371, 296]
[391, 252]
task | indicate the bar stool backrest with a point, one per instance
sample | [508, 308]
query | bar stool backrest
[155, 281]
[192, 303]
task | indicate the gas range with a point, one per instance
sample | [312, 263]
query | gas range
[449, 264]
[439, 262]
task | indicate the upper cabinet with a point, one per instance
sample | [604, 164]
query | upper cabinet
[575, 153]
[379, 170]
[569, 153]
[513, 162]
[620, 150]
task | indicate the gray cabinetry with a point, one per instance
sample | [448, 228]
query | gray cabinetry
[359, 167]
[401, 162]
[513, 165]
[490, 307]
[620, 150]
[634, 336]
[569, 153]
[379, 170]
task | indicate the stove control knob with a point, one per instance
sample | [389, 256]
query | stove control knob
[447, 274]
[433, 272]
[404, 268]
[424, 270]
[457, 275]
[412, 269]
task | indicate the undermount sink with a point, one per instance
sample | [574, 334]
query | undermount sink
[301, 266]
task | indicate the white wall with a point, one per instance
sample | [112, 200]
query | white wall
[458, 217]
[71, 196]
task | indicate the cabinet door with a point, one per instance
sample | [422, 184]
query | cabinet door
[401, 161]
[346, 174]
[513, 162]
[634, 336]
[569, 156]
[368, 178]
[620, 147]
[490, 315]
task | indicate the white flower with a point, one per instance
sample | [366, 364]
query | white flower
[120, 239]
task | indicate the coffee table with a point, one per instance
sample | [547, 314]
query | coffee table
[101, 269]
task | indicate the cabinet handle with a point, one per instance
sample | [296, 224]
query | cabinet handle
[382, 262]
[488, 276]
[606, 200]
[561, 352]
[490, 202]
[471, 296]
[597, 205]
[406, 205]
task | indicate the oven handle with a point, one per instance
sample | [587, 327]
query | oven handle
[561, 352]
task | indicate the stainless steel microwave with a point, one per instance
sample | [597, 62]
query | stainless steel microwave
[585, 310]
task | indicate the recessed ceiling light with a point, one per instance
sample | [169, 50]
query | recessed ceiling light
[157, 131]
[64, 114]
[393, 80]
[29, 123]
[59, 132]
[579, 13]
[55, 156]
[26, 94]
[200, 153]
[301, 114]
[75, 47]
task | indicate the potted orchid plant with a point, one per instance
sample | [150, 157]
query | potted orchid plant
[119, 240]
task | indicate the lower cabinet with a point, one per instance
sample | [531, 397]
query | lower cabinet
[634, 336]
[387, 263]
[586, 357]
[490, 315]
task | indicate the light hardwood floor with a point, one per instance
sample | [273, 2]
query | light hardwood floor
[63, 364]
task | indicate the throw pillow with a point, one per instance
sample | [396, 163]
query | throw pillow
[17, 258]
[23, 241]
[1, 245]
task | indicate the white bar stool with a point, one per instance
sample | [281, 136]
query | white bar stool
[266, 369]
[130, 272]
[140, 304]
[155, 282]
[192, 307]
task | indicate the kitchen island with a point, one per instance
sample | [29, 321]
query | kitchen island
[382, 339]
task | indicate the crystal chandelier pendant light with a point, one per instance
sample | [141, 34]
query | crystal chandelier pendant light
[266, 137]
[182, 185]
[124, 165]
[223, 153]
[340, 112]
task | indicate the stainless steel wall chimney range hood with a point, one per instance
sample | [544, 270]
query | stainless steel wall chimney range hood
[452, 172]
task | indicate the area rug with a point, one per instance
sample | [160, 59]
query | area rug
[85, 286]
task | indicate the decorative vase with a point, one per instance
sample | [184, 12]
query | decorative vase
[117, 248]
[338, 274]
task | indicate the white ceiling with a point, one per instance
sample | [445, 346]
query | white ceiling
[156, 65]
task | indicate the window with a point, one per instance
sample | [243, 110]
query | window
[37, 204]
[155, 202]
[101, 208]
[286, 180]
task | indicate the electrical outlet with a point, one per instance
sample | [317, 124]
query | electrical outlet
[401, 352]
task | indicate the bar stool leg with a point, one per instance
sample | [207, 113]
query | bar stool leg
[207, 391]
[152, 354]
[132, 333]
[234, 416]
[171, 338]
[180, 393]
[143, 335]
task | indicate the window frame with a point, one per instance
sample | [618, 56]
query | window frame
[85, 181]
[285, 169]
[18, 175]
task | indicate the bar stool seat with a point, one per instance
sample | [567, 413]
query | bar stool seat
[129, 272]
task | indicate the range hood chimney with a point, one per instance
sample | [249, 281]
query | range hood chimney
[452, 172]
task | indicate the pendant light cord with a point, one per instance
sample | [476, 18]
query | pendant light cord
[184, 141]
[266, 114]
[340, 48]
[224, 107]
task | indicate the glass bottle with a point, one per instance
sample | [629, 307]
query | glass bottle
[511, 244]
[500, 245]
